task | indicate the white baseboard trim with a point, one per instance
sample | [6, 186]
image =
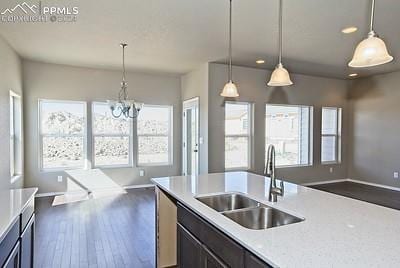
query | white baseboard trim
[352, 180]
[79, 191]
[139, 186]
[323, 182]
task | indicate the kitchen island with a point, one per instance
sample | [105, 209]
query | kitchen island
[335, 231]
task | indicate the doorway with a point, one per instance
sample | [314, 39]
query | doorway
[190, 145]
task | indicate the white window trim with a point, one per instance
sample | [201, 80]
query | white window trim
[249, 135]
[130, 136]
[310, 134]
[170, 136]
[40, 136]
[338, 136]
[15, 175]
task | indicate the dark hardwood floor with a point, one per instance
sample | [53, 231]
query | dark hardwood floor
[115, 231]
[376, 195]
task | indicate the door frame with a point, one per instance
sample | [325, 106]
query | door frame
[190, 104]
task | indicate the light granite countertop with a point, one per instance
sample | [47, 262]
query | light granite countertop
[12, 203]
[337, 231]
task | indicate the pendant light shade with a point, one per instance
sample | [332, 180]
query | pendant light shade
[371, 51]
[230, 89]
[280, 76]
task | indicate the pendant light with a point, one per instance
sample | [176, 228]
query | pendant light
[371, 51]
[280, 76]
[230, 90]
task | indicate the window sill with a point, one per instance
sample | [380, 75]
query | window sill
[238, 169]
[155, 165]
[50, 170]
[15, 178]
[330, 163]
[294, 166]
[112, 166]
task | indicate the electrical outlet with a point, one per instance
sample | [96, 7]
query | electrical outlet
[396, 175]
[141, 173]
[331, 170]
[59, 178]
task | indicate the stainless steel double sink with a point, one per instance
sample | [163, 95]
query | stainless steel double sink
[248, 212]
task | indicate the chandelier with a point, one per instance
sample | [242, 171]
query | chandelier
[123, 106]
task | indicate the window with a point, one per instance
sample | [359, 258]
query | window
[112, 138]
[238, 133]
[288, 128]
[15, 136]
[155, 135]
[62, 128]
[331, 135]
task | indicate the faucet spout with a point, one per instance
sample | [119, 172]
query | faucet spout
[269, 171]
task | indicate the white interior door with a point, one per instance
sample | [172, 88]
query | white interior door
[190, 145]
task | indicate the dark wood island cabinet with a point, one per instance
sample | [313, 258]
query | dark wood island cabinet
[201, 245]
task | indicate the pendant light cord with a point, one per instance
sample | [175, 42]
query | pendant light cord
[123, 85]
[230, 40]
[280, 31]
[371, 25]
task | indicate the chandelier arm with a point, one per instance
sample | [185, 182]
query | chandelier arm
[114, 115]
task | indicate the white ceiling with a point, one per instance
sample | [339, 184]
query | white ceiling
[175, 36]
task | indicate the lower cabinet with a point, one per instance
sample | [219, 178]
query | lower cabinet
[189, 249]
[14, 257]
[209, 260]
[27, 244]
[16, 248]
[200, 245]
[193, 254]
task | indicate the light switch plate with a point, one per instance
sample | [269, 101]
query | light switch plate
[141, 173]
[331, 169]
[396, 175]
[59, 178]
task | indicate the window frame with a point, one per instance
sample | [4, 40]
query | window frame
[93, 136]
[170, 136]
[249, 135]
[41, 136]
[310, 134]
[16, 154]
[337, 136]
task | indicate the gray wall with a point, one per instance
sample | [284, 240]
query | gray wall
[11, 79]
[195, 84]
[307, 90]
[59, 82]
[375, 129]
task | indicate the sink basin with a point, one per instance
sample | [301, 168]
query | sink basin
[261, 217]
[228, 202]
[248, 212]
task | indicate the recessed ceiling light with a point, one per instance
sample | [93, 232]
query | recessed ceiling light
[349, 30]
[260, 61]
[353, 75]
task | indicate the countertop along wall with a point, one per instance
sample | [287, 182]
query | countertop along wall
[60, 82]
[307, 90]
[375, 129]
[10, 79]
